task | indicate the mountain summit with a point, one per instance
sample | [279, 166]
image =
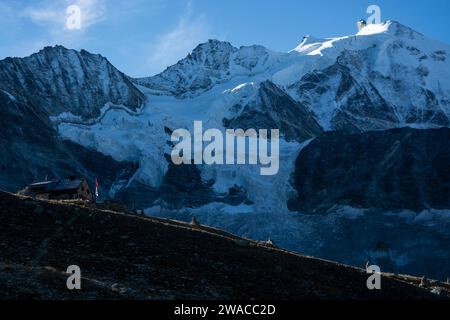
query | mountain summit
[60, 80]
[210, 63]
[67, 111]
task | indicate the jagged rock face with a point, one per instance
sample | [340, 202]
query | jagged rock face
[275, 109]
[359, 105]
[52, 81]
[59, 80]
[378, 82]
[205, 66]
[33, 151]
[182, 187]
[209, 64]
[393, 169]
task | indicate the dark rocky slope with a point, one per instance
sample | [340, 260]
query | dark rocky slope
[274, 108]
[30, 150]
[60, 80]
[130, 257]
[47, 83]
[394, 169]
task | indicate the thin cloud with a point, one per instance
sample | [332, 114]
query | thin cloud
[178, 42]
[51, 17]
[54, 14]
[43, 15]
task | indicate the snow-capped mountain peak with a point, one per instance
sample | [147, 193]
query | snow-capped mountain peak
[309, 44]
[64, 80]
[371, 29]
[210, 63]
[212, 53]
[391, 27]
[369, 35]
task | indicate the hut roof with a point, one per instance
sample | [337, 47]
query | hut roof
[68, 184]
[57, 185]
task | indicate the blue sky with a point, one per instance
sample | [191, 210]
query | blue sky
[142, 37]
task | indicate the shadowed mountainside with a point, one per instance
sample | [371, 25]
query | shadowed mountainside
[392, 170]
[124, 256]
